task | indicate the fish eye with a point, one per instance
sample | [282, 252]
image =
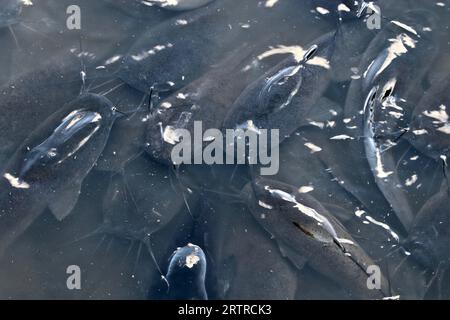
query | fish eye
[310, 53]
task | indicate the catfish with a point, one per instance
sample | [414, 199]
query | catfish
[47, 170]
[245, 263]
[207, 99]
[307, 233]
[186, 274]
[284, 98]
[180, 50]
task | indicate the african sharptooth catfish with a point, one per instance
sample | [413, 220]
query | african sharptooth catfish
[284, 97]
[49, 167]
[307, 233]
[186, 274]
[375, 100]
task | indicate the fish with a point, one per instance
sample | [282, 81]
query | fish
[308, 234]
[47, 170]
[186, 274]
[285, 96]
[179, 50]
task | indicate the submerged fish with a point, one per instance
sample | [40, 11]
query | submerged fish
[186, 274]
[377, 100]
[179, 5]
[284, 98]
[10, 11]
[246, 264]
[179, 50]
[307, 233]
[49, 167]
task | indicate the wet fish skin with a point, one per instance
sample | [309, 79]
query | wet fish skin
[31, 183]
[324, 245]
[186, 274]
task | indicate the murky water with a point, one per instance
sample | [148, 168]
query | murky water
[93, 96]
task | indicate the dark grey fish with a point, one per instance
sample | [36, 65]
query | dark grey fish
[307, 233]
[186, 274]
[10, 11]
[143, 199]
[284, 98]
[50, 166]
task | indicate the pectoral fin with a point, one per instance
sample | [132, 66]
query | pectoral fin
[63, 201]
